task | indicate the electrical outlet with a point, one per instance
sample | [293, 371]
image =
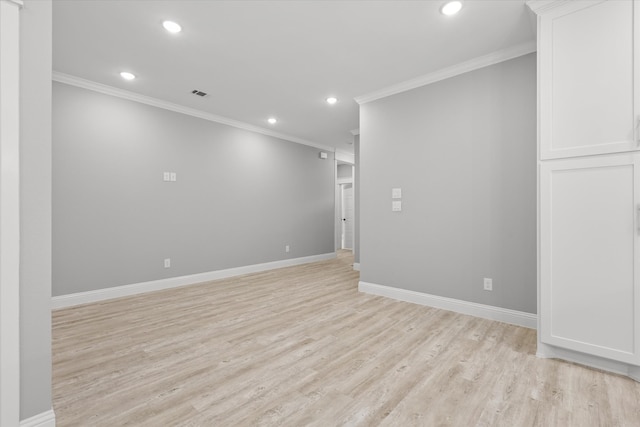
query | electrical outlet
[167, 262]
[166, 176]
[286, 248]
[488, 284]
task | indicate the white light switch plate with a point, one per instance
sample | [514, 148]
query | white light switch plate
[166, 176]
[396, 206]
[396, 193]
[173, 176]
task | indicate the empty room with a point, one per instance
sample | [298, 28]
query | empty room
[319, 213]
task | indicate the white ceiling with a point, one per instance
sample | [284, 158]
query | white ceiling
[257, 59]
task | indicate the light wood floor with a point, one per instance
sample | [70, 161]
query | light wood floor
[301, 347]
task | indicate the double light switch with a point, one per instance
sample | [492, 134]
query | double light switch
[396, 205]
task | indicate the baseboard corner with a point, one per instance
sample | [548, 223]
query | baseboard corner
[44, 419]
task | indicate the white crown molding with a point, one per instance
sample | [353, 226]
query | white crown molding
[355, 132]
[500, 314]
[143, 99]
[71, 300]
[18, 3]
[543, 7]
[448, 72]
[540, 7]
[45, 419]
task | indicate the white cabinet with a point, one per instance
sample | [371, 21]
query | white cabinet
[589, 69]
[589, 237]
[589, 182]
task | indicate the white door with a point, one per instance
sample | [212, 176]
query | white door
[347, 216]
[589, 78]
[589, 293]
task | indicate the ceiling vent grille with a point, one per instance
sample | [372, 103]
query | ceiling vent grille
[199, 93]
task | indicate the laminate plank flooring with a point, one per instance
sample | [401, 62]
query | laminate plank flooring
[300, 346]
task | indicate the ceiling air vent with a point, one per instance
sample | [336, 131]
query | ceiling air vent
[199, 93]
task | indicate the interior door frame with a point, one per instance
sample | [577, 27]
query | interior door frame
[342, 216]
[337, 244]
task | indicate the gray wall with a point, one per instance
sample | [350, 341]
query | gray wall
[345, 171]
[463, 150]
[239, 198]
[35, 208]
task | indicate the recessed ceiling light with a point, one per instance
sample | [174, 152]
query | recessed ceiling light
[172, 27]
[332, 100]
[451, 7]
[272, 120]
[127, 76]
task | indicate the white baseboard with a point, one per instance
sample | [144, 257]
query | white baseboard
[45, 419]
[513, 317]
[546, 351]
[70, 300]
[356, 266]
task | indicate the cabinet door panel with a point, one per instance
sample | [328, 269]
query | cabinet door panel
[587, 77]
[588, 231]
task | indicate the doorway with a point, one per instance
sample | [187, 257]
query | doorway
[345, 206]
[345, 196]
[347, 216]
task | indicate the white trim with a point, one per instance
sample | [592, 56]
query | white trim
[540, 7]
[341, 181]
[448, 72]
[345, 157]
[45, 419]
[131, 96]
[9, 213]
[337, 201]
[513, 317]
[546, 351]
[70, 300]
[18, 3]
[356, 266]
